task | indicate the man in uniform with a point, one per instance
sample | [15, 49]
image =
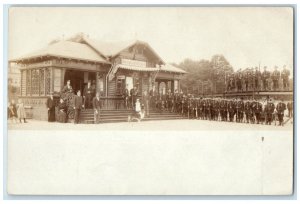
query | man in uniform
[257, 110]
[257, 78]
[265, 76]
[67, 88]
[223, 107]
[217, 108]
[240, 111]
[285, 77]
[97, 108]
[248, 111]
[275, 78]
[78, 104]
[88, 94]
[280, 108]
[239, 80]
[290, 108]
[270, 107]
[231, 110]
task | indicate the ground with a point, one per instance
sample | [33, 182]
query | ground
[175, 157]
[165, 125]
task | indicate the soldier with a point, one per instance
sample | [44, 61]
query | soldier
[248, 111]
[257, 77]
[270, 107]
[240, 111]
[239, 81]
[206, 109]
[275, 78]
[231, 110]
[290, 108]
[223, 107]
[265, 76]
[88, 94]
[257, 110]
[280, 108]
[285, 77]
[217, 109]
[169, 98]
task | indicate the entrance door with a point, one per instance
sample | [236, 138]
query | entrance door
[129, 81]
[76, 78]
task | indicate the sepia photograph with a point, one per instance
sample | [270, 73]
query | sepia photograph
[161, 100]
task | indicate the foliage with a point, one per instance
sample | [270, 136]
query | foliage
[203, 73]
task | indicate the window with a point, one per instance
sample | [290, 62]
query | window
[120, 85]
[35, 82]
[47, 81]
[28, 82]
[42, 82]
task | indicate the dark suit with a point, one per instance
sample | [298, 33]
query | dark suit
[51, 112]
[78, 102]
[88, 94]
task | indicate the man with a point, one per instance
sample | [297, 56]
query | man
[67, 88]
[231, 110]
[248, 111]
[257, 110]
[239, 81]
[88, 94]
[285, 77]
[133, 94]
[240, 111]
[257, 78]
[247, 78]
[265, 76]
[78, 104]
[145, 102]
[290, 108]
[51, 108]
[275, 78]
[126, 97]
[270, 107]
[97, 108]
[280, 108]
[223, 107]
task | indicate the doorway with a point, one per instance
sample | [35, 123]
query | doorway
[79, 79]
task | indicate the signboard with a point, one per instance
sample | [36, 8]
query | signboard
[135, 63]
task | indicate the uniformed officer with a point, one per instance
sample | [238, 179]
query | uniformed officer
[257, 110]
[270, 107]
[290, 108]
[231, 110]
[280, 108]
[275, 78]
[257, 78]
[265, 76]
[285, 77]
[240, 111]
[248, 111]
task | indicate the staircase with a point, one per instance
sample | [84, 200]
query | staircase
[113, 116]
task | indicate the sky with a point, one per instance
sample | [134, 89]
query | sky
[246, 36]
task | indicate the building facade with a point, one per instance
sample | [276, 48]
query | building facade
[109, 66]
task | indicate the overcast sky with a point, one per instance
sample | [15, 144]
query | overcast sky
[245, 36]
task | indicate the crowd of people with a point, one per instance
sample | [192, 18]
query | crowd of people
[222, 109]
[252, 79]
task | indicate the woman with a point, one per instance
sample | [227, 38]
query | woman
[62, 115]
[21, 111]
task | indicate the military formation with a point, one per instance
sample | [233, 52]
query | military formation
[253, 79]
[221, 109]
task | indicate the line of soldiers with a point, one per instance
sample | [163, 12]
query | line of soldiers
[220, 109]
[254, 79]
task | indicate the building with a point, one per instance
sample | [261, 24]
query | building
[109, 66]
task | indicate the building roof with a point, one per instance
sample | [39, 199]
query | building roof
[171, 68]
[112, 49]
[66, 49]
